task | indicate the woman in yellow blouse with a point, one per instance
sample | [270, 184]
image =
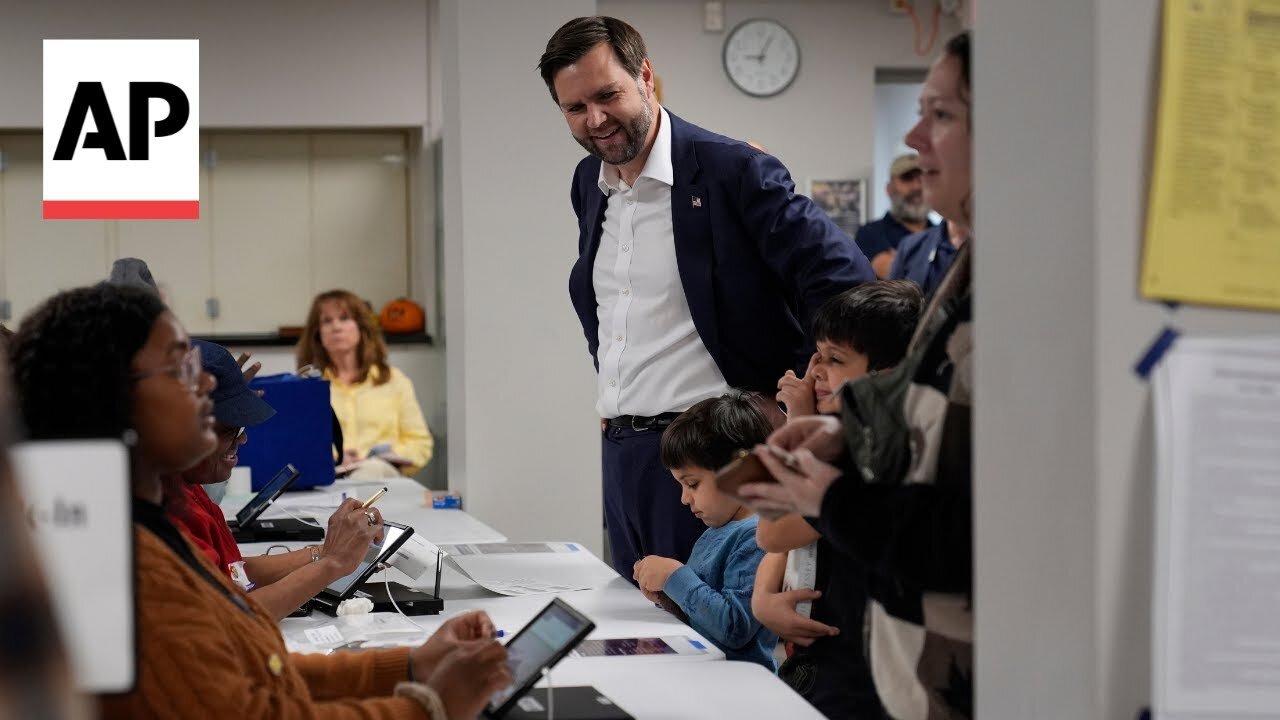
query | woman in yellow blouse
[383, 429]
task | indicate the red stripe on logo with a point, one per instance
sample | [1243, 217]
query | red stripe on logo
[121, 209]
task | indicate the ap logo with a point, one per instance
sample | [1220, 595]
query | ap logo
[121, 129]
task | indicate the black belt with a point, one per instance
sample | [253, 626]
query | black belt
[643, 422]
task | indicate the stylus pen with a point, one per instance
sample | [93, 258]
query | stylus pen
[374, 499]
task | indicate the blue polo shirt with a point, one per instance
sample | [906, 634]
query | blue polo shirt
[880, 236]
[924, 258]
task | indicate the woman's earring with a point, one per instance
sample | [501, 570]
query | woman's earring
[129, 437]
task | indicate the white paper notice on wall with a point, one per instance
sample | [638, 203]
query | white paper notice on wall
[77, 497]
[1216, 599]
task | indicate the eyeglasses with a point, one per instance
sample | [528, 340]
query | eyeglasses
[187, 371]
[231, 433]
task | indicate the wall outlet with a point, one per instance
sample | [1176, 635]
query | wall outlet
[713, 17]
[900, 6]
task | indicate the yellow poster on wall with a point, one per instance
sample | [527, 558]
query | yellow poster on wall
[1213, 217]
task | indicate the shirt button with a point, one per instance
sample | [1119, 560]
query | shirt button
[613, 383]
[626, 291]
[625, 248]
[631, 202]
[617, 338]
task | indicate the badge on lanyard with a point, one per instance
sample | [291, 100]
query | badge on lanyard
[239, 576]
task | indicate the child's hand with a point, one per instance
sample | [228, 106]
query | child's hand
[777, 611]
[796, 394]
[652, 571]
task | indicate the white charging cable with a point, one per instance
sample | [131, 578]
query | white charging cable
[386, 581]
[551, 695]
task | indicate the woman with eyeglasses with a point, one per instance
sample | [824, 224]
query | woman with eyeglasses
[113, 362]
[284, 581]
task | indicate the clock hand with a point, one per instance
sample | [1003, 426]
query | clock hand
[764, 49]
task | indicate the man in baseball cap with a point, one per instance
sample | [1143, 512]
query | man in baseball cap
[907, 214]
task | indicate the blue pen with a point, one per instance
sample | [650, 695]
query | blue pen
[499, 633]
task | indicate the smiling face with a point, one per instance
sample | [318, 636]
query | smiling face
[609, 112]
[172, 417]
[837, 364]
[698, 492]
[216, 467]
[943, 139]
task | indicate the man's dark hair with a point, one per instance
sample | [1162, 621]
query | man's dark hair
[73, 361]
[710, 434]
[580, 36]
[875, 318]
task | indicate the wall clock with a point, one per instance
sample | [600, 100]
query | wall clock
[761, 57]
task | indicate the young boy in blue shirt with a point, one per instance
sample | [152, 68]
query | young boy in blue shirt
[714, 589]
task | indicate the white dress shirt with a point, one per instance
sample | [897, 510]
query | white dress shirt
[651, 358]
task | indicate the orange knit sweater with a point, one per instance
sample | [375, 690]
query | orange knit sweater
[199, 656]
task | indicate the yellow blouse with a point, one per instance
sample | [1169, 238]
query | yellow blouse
[372, 415]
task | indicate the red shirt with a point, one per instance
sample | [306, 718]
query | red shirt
[205, 524]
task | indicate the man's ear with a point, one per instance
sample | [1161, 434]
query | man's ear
[646, 77]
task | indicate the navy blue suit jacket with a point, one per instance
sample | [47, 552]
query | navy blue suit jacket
[756, 260]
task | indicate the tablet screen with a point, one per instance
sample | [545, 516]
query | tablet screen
[625, 646]
[392, 536]
[269, 492]
[546, 638]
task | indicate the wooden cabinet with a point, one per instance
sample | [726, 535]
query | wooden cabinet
[284, 215]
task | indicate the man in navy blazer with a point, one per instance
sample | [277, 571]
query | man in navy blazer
[699, 270]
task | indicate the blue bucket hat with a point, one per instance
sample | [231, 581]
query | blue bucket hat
[234, 403]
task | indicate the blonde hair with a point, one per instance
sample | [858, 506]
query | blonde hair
[370, 353]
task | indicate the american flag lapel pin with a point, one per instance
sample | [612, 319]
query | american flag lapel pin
[697, 201]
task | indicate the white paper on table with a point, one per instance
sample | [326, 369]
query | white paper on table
[546, 568]
[354, 632]
[1216, 590]
[511, 548]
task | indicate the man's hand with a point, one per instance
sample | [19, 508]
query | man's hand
[469, 626]
[777, 611]
[468, 675]
[250, 372]
[652, 571]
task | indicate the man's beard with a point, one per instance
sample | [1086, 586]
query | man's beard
[636, 131]
[910, 208]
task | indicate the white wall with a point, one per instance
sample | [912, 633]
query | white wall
[283, 63]
[525, 442]
[1063, 430]
[820, 127]
[896, 106]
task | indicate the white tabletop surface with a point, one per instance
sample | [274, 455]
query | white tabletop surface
[405, 502]
[659, 687]
[676, 691]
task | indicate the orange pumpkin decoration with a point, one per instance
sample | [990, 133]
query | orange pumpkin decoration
[402, 316]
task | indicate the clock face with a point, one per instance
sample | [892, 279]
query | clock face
[761, 57]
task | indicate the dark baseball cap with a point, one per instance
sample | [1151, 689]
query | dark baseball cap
[234, 403]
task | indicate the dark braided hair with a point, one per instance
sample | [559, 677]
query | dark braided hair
[73, 361]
